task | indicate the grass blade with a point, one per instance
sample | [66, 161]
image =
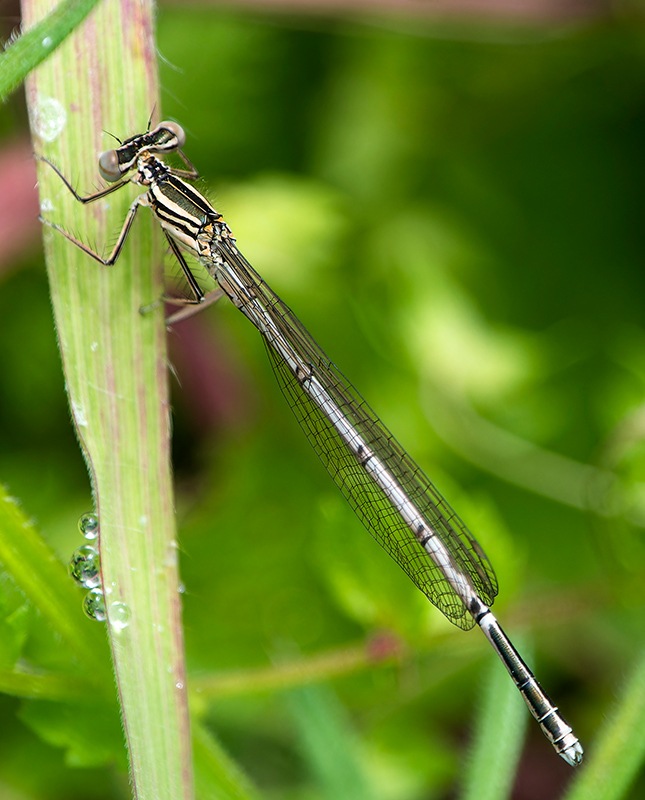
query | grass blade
[328, 744]
[499, 737]
[619, 749]
[39, 42]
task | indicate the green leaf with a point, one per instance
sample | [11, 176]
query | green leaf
[39, 42]
[13, 634]
[35, 570]
[88, 731]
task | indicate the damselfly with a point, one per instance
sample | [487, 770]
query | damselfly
[388, 491]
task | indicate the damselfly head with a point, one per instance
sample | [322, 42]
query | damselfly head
[164, 138]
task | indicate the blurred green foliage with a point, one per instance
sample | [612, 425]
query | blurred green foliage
[455, 213]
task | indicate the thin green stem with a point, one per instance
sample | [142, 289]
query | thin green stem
[300, 672]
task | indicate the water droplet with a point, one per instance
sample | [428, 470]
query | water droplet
[48, 118]
[84, 566]
[119, 616]
[47, 42]
[88, 525]
[179, 685]
[46, 205]
[94, 605]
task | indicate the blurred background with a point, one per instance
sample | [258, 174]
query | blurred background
[449, 196]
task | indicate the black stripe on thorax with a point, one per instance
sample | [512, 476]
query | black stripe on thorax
[177, 205]
[185, 196]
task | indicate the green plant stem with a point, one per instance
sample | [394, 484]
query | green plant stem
[104, 77]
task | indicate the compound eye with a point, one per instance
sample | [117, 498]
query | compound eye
[109, 166]
[176, 130]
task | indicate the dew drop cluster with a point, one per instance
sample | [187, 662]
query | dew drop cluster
[85, 568]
